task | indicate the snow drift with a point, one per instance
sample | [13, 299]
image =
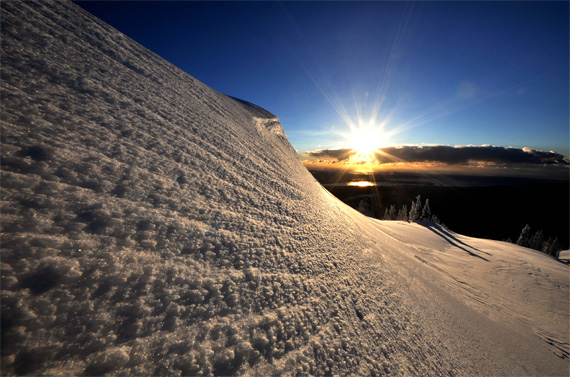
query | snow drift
[153, 226]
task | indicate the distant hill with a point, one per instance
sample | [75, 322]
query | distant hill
[154, 226]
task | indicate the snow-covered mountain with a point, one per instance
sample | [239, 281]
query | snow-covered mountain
[153, 226]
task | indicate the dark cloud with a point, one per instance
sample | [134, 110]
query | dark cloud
[338, 154]
[452, 155]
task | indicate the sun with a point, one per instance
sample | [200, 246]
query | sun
[364, 142]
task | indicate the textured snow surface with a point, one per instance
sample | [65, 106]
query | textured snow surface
[153, 226]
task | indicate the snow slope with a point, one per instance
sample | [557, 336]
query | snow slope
[153, 226]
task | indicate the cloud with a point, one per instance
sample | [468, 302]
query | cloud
[458, 155]
[338, 154]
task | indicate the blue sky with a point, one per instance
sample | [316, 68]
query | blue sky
[445, 73]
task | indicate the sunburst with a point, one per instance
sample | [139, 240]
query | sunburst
[364, 142]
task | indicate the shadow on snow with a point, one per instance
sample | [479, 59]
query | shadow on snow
[453, 240]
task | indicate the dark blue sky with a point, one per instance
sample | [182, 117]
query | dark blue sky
[453, 73]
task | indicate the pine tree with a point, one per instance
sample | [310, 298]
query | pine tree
[403, 213]
[426, 211]
[416, 211]
[393, 213]
[524, 238]
[376, 210]
[546, 246]
[555, 247]
[537, 240]
[363, 207]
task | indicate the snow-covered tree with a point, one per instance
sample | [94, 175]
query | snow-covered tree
[554, 247]
[403, 213]
[546, 245]
[524, 238]
[390, 213]
[435, 219]
[393, 212]
[426, 211]
[416, 210]
[551, 246]
[386, 215]
[363, 208]
[537, 241]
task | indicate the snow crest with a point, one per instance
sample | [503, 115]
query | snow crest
[154, 226]
[272, 125]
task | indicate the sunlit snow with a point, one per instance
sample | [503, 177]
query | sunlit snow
[154, 226]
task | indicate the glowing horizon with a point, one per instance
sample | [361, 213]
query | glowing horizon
[361, 184]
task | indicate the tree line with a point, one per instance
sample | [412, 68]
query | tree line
[419, 212]
[538, 241]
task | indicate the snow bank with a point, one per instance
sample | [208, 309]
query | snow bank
[153, 226]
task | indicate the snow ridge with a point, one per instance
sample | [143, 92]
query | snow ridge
[154, 226]
[272, 125]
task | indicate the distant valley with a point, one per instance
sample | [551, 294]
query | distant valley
[491, 207]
